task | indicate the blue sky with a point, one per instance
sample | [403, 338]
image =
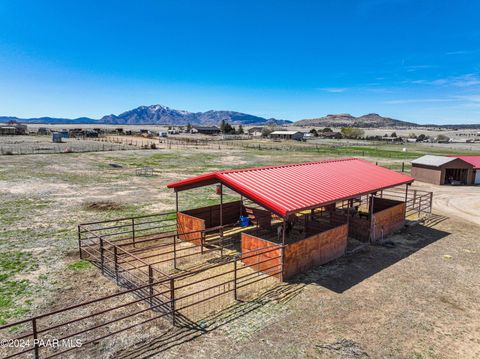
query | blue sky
[412, 60]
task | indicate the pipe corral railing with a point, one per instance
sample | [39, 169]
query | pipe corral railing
[150, 293]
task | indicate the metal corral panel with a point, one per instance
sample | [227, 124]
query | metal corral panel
[292, 188]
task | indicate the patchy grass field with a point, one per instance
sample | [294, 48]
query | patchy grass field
[418, 300]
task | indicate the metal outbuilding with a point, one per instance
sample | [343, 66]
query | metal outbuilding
[286, 135]
[442, 170]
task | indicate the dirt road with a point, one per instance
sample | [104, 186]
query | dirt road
[459, 202]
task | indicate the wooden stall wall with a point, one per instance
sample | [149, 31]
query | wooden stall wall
[315, 250]
[388, 221]
[211, 214]
[187, 224]
[259, 260]
[260, 217]
[359, 228]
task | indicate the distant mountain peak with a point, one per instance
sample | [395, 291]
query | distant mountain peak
[159, 114]
[347, 120]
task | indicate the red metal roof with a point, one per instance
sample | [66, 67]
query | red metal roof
[291, 188]
[473, 160]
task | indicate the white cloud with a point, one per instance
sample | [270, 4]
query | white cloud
[467, 80]
[333, 89]
[460, 52]
[418, 100]
[472, 98]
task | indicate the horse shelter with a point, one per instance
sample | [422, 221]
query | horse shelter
[305, 212]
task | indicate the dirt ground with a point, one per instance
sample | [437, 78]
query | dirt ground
[417, 300]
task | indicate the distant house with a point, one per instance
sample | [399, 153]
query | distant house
[286, 135]
[43, 131]
[13, 128]
[206, 130]
[255, 131]
[8, 131]
[334, 135]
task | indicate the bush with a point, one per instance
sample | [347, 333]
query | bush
[351, 132]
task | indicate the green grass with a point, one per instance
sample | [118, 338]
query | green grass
[79, 265]
[15, 293]
[15, 210]
[369, 149]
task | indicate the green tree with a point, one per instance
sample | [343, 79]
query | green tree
[443, 138]
[222, 126]
[327, 129]
[189, 127]
[240, 130]
[266, 131]
[394, 134]
[229, 128]
[314, 132]
[351, 132]
[421, 138]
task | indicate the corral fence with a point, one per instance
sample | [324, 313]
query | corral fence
[77, 145]
[141, 255]
[418, 203]
[245, 142]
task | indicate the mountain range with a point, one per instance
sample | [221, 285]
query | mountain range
[162, 115]
[346, 120]
[158, 115]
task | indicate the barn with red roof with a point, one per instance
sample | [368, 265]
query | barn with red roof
[308, 211]
[452, 170]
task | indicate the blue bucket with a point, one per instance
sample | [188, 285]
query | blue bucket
[244, 221]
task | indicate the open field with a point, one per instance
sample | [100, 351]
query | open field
[30, 145]
[417, 300]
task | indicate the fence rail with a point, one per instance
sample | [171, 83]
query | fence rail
[150, 294]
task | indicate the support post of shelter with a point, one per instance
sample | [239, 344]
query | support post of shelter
[176, 201]
[372, 219]
[221, 218]
[284, 227]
